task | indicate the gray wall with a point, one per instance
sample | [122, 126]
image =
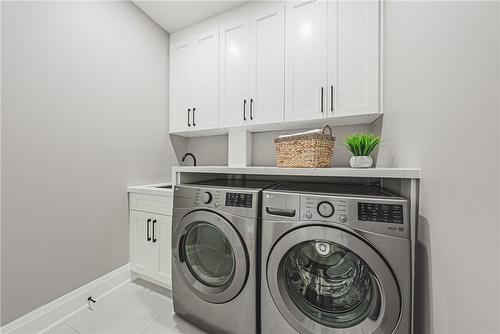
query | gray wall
[212, 151]
[84, 94]
[442, 115]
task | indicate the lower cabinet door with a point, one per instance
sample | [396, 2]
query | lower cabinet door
[164, 249]
[143, 252]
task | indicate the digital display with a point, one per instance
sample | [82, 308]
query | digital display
[383, 213]
[239, 200]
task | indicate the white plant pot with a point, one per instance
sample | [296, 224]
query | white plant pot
[361, 162]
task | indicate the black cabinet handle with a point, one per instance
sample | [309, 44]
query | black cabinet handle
[280, 212]
[148, 236]
[154, 234]
[322, 100]
[331, 98]
[189, 110]
[182, 256]
[251, 109]
[244, 109]
[194, 124]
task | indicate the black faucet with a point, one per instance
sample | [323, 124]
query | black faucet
[191, 155]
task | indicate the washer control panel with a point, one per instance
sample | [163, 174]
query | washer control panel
[388, 215]
[380, 213]
[314, 207]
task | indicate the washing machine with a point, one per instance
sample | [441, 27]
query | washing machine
[336, 258]
[214, 250]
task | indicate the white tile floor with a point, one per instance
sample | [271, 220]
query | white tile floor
[136, 307]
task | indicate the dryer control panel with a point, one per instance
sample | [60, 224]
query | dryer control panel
[239, 200]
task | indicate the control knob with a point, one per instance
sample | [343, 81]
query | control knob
[206, 197]
[325, 209]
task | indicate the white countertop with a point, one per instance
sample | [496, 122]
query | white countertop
[152, 189]
[397, 173]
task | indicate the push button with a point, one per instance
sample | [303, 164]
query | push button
[343, 219]
[308, 215]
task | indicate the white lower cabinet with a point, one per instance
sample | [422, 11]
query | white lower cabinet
[150, 246]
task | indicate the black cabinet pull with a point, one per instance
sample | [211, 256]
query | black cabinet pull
[331, 98]
[322, 100]
[244, 109]
[194, 124]
[148, 236]
[251, 109]
[189, 110]
[154, 234]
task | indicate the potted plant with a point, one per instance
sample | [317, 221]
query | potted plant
[361, 145]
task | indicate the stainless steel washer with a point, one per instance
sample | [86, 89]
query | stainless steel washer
[214, 250]
[335, 259]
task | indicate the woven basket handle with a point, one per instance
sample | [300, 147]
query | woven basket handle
[326, 126]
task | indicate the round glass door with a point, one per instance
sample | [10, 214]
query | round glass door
[323, 278]
[329, 283]
[209, 255]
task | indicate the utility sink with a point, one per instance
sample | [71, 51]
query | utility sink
[164, 187]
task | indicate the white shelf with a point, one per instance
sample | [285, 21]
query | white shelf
[395, 173]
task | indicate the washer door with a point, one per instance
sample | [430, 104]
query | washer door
[326, 280]
[211, 256]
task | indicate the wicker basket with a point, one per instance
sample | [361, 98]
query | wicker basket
[313, 150]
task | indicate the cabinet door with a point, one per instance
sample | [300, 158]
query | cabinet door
[164, 249]
[205, 80]
[305, 60]
[143, 252]
[181, 87]
[267, 61]
[233, 76]
[353, 57]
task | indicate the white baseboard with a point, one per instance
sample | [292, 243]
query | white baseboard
[134, 275]
[51, 315]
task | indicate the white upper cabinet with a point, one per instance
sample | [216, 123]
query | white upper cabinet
[233, 78]
[265, 64]
[252, 67]
[267, 61]
[205, 103]
[306, 60]
[353, 57]
[181, 86]
[194, 83]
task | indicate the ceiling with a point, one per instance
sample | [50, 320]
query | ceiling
[175, 15]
